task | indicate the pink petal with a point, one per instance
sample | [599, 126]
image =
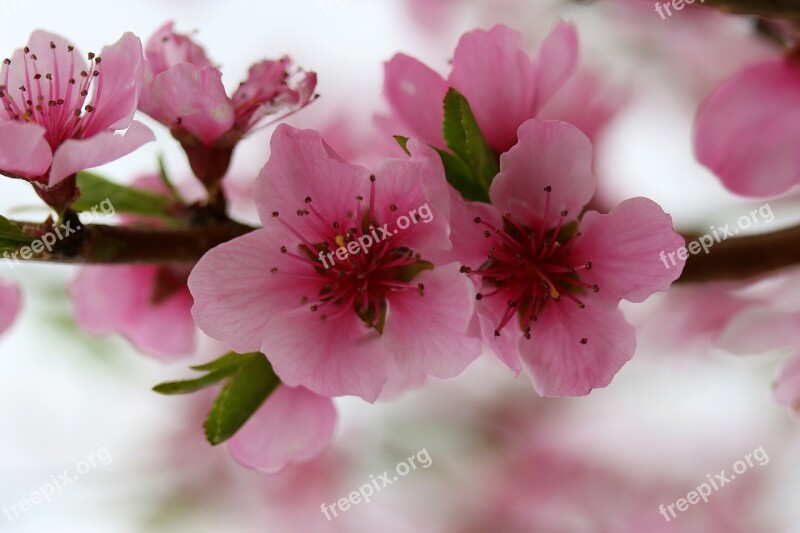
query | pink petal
[236, 294]
[469, 245]
[24, 150]
[196, 97]
[294, 425]
[121, 77]
[506, 345]
[627, 249]
[9, 305]
[415, 184]
[587, 102]
[492, 70]
[758, 330]
[74, 155]
[787, 384]
[302, 165]
[165, 49]
[416, 95]
[556, 62]
[428, 333]
[560, 365]
[337, 356]
[748, 130]
[548, 154]
[118, 299]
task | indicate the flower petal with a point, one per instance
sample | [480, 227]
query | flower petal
[748, 130]
[121, 76]
[24, 150]
[415, 93]
[166, 48]
[302, 165]
[236, 293]
[492, 70]
[195, 98]
[337, 356]
[556, 62]
[760, 329]
[119, 299]
[74, 155]
[560, 365]
[9, 305]
[428, 333]
[787, 384]
[294, 425]
[627, 249]
[549, 154]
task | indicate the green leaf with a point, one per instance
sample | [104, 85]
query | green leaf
[96, 189]
[460, 176]
[403, 142]
[464, 137]
[12, 237]
[10, 232]
[228, 360]
[249, 387]
[193, 385]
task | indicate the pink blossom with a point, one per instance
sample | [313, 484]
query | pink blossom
[184, 91]
[149, 305]
[138, 300]
[335, 330]
[9, 305]
[550, 278]
[748, 129]
[504, 86]
[294, 425]
[60, 114]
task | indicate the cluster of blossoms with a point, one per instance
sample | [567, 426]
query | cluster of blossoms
[530, 274]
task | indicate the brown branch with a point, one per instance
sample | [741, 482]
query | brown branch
[745, 257]
[788, 9]
[100, 244]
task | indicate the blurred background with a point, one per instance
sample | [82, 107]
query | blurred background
[502, 459]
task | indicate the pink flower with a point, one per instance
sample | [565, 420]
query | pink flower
[334, 327]
[184, 91]
[9, 305]
[550, 279]
[138, 300]
[294, 425]
[60, 113]
[149, 305]
[748, 129]
[503, 85]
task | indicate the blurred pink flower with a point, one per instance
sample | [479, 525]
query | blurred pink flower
[768, 319]
[334, 330]
[138, 300]
[503, 85]
[60, 114]
[550, 278]
[293, 426]
[748, 129]
[149, 305]
[184, 91]
[9, 305]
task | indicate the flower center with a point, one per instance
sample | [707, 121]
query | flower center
[363, 277]
[49, 99]
[527, 267]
